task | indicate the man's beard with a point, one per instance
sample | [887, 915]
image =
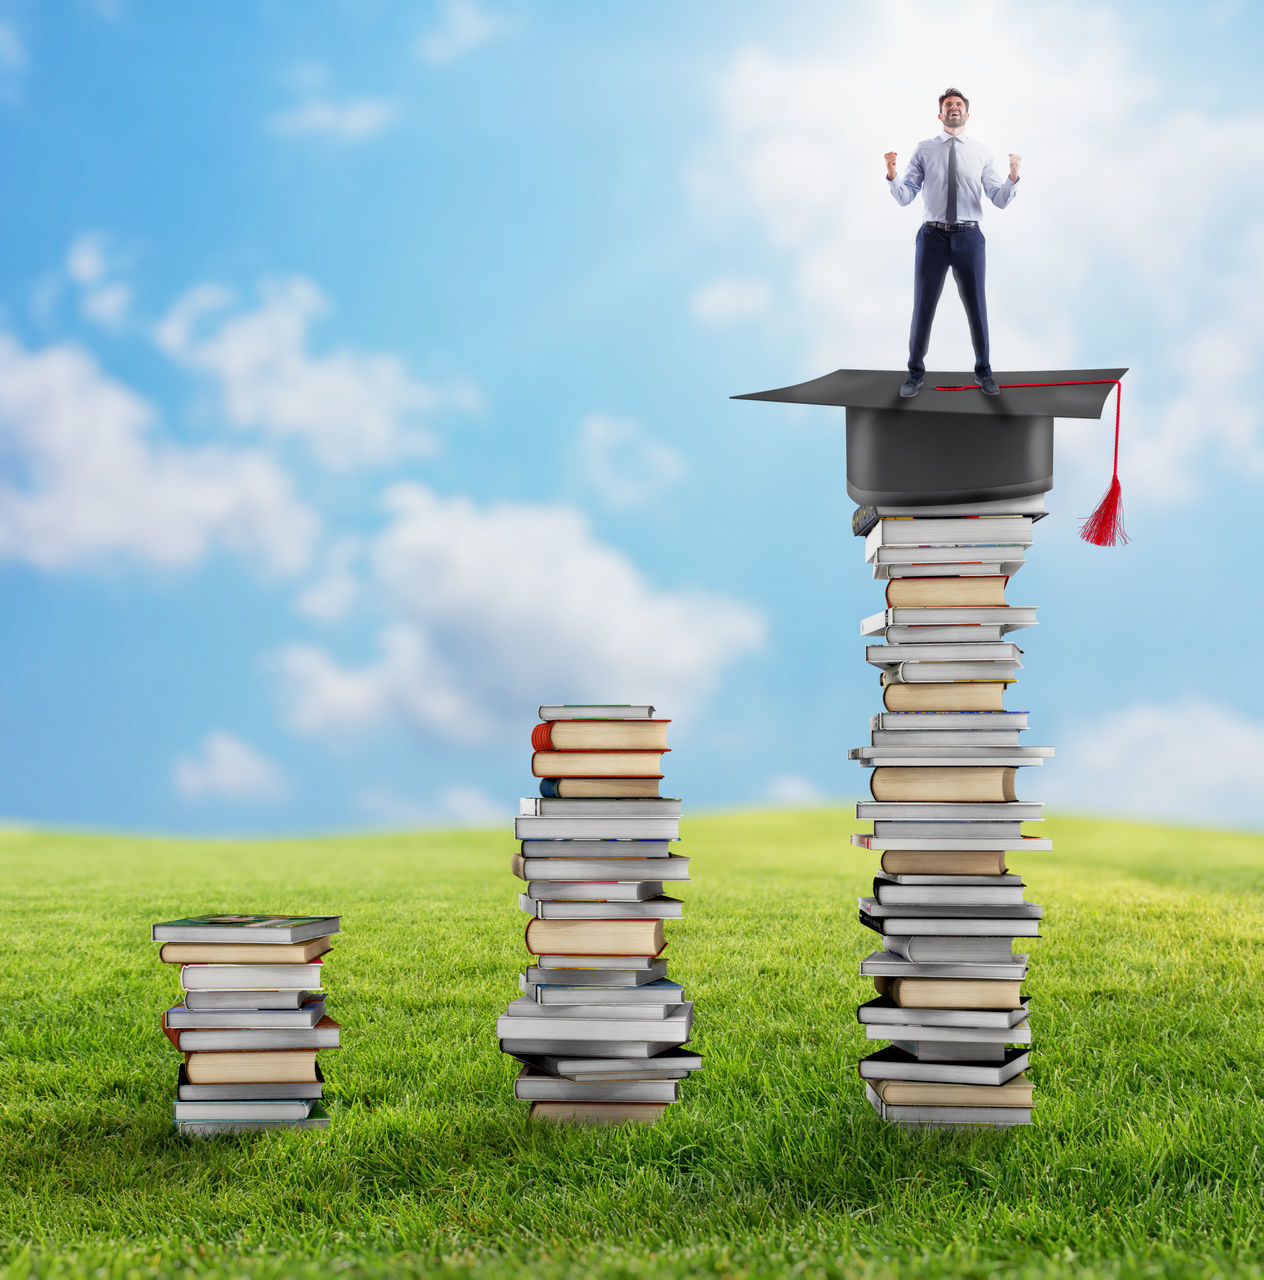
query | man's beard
[954, 117]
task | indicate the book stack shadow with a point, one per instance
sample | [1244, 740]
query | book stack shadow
[945, 754]
[251, 1022]
[599, 1028]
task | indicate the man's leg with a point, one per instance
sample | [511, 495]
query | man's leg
[930, 266]
[968, 269]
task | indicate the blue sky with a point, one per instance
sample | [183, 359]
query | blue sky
[364, 375]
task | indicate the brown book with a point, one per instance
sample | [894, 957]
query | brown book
[600, 1112]
[920, 1093]
[944, 784]
[944, 593]
[597, 764]
[607, 788]
[954, 993]
[595, 937]
[243, 952]
[251, 1066]
[600, 735]
[956, 695]
[937, 862]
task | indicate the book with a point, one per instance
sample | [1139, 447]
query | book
[1020, 1033]
[937, 672]
[937, 1053]
[245, 928]
[292, 998]
[595, 937]
[605, 788]
[952, 757]
[888, 893]
[949, 926]
[973, 633]
[529, 1047]
[973, 912]
[1029, 844]
[661, 908]
[948, 993]
[944, 785]
[602, 978]
[910, 738]
[964, 695]
[251, 1066]
[594, 1010]
[593, 890]
[934, 811]
[324, 1035]
[987, 1117]
[673, 1029]
[970, 720]
[537, 1086]
[595, 827]
[603, 963]
[990, 568]
[599, 1112]
[1033, 505]
[550, 993]
[673, 867]
[307, 1015]
[940, 830]
[1016, 1092]
[894, 655]
[597, 764]
[883, 1011]
[947, 950]
[887, 964]
[672, 1063]
[595, 711]
[317, 1118]
[243, 952]
[946, 862]
[945, 593]
[544, 807]
[245, 977]
[257, 1091]
[600, 735]
[600, 848]
[242, 1109]
[894, 1063]
[948, 531]
[1007, 617]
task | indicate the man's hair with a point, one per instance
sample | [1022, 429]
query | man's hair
[953, 93]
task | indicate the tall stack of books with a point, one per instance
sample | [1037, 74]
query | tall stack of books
[945, 755]
[599, 1028]
[251, 1022]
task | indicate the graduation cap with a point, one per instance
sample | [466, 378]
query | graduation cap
[951, 443]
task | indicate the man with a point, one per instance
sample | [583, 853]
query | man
[953, 173]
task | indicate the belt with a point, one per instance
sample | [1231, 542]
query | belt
[952, 226]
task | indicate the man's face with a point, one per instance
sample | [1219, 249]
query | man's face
[953, 112]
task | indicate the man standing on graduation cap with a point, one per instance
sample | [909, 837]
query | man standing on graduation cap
[953, 173]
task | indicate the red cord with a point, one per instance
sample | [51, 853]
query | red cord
[1105, 527]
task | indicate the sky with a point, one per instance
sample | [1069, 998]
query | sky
[365, 375]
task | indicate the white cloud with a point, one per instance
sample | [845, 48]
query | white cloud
[83, 481]
[348, 120]
[455, 806]
[350, 407]
[226, 766]
[13, 55]
[623, 464]
[93, 264]
[86, 261]
[729, 299]
[1101, 259]
[1189, 760]
[493, 604]
[794, 791]
[331, 596]
[108, 306]
[463, 26]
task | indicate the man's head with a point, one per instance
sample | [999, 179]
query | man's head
[954, 108]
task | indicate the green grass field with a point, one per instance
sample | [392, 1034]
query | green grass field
[1147, 1157]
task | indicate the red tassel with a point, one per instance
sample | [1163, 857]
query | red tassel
[1105, 527]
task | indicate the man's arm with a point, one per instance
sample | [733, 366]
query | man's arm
[905, 191]
[1001, 192]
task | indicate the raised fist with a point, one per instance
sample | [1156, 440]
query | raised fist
[1014, 162]
[890, 159]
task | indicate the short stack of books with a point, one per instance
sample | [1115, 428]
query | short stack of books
[251, 1022]
[599, 1029]
[945, 754]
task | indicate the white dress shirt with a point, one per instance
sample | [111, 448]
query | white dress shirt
[977, 176]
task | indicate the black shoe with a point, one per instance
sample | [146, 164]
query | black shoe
[988, 383]
[910, 386]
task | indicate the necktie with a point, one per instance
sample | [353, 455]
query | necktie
[952, 178]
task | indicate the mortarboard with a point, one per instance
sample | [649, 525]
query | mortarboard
[951, 443]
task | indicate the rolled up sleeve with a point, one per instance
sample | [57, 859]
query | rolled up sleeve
[999, 191]
[905, 189]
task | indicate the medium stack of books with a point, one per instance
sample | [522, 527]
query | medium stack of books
[599, 1029]
[945, 754]
[251, 1022]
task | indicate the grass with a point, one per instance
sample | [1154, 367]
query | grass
[1147, 1157]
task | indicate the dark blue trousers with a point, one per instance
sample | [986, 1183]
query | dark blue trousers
[937, 250]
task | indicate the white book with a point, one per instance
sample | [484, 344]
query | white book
[524, 1019]
[661, 908]
[948, 895]
[894, 1063]
[1013, 913]
[586, 807]
[595, 711]
[974, 633]
[959, 569]
[1005, 878]
[594, 890]
[949, 810]
[886, 964]
[1008, 616]
[947, 531]
[591, 849]
[604, 979]
[673, 868]
[267, 1110]
[919, 721]
[594, 828]
[883, 1012]
[922, 950]
[293, 998]
[998, 672]
[975, 844]
[938, 1052]
[308, 1015]
[673, 1062]
[944, 555]
[1031, 505]
[524, 1046]
[613, 963]
[1020, 1033]
[593, 1008]
[246, 977]
[950, 757]
[951, 830]
[950, 1117]
[944, 737]
[661, 992]
[536, 1086]
[891, 655]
